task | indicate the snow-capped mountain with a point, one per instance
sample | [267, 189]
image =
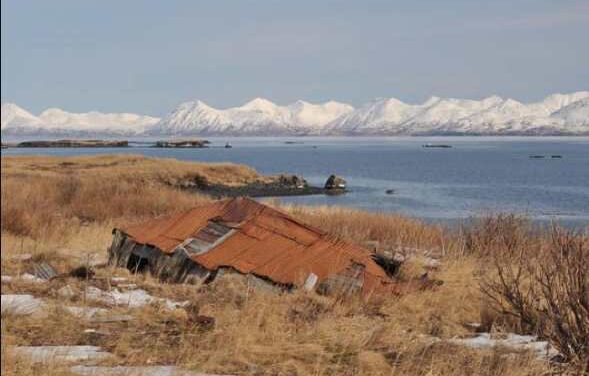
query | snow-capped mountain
[13, 116]
[258, 117]
[557, 114]
[57, 122]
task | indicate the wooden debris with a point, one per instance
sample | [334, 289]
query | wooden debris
[44, 271]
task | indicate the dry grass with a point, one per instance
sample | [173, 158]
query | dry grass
[135, 167]
[392, 232]
[64, 213]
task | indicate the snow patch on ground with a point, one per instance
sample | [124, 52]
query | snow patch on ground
[132, 299]
[22, 305]
[513, 341]
[61, 354]
[135, 371]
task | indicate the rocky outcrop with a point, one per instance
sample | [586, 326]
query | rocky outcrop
[335, 183]
[293, 181]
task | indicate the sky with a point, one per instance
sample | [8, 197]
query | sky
[148, 56]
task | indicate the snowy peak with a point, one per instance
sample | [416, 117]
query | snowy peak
[55, 121]
[13, 115]
[261, 105]
[314, 116]
[557, 114]
[258, 117]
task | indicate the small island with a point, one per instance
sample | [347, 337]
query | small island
[73, 144]
[442, 146]
[196, 144]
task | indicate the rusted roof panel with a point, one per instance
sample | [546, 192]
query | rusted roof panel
[278, 223]
[168, 232]
[262, 241]
[239, 210]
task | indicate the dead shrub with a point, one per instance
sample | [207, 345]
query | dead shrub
[495, 233]
[546, 288]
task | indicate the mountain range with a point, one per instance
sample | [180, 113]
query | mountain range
[556, 114]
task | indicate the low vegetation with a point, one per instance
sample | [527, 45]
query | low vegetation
[501, 272]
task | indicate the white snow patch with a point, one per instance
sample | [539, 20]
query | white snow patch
[132, 299]
[22, 305]
[542, 349]
[135, 371]
[61, 354]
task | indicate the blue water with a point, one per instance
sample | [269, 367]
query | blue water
[479, 175]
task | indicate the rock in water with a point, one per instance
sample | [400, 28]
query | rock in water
[335, 182]
[293, 181]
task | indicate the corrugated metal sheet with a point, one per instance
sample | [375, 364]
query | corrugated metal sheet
[253, 238]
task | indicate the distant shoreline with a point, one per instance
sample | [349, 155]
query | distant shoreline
[11, 140]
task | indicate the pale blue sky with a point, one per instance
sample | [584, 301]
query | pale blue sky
[147, 56]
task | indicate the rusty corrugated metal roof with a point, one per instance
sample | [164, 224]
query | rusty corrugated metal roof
[262, 241]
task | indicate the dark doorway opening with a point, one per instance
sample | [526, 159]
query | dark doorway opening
[137, 264]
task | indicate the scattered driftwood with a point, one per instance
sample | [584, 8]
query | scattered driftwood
[73, 144]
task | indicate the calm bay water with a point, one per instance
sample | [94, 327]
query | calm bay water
[476, 176]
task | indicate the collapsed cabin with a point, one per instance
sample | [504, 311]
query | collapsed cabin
[241, 235]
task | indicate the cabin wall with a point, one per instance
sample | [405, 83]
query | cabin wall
[178, 267]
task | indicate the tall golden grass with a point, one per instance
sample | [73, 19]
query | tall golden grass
[63, 209]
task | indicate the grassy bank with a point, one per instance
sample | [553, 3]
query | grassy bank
[63, 209]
